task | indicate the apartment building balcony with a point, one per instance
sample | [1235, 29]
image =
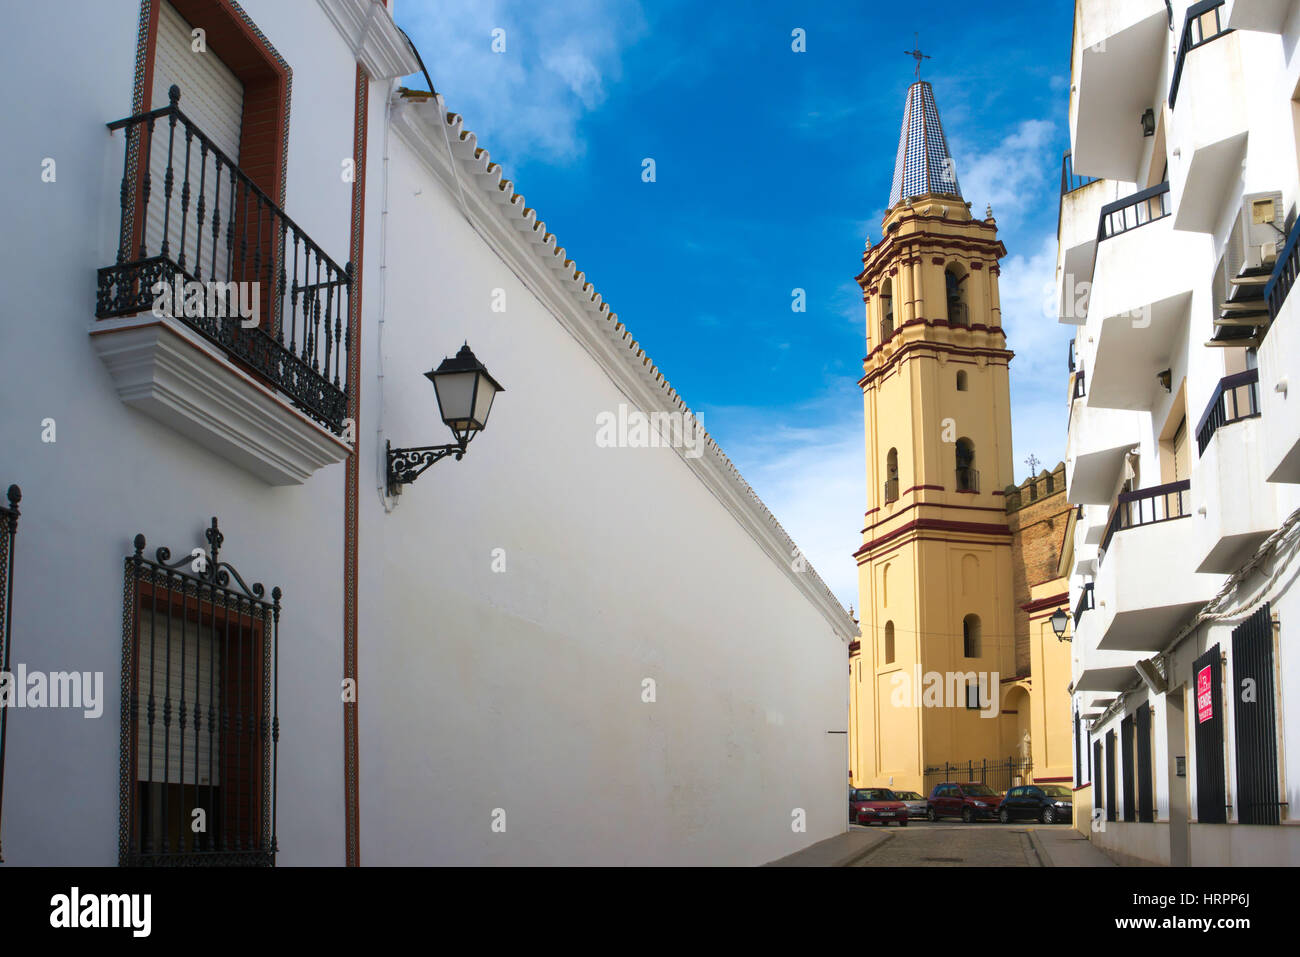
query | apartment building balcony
[1262, 16]
[1279, 369]
[1098, 440]
[1147, 581]
[1141, 297]
[221, 317]
[1208, 139]
[1236, 509]
[1098, 672]
[1119, 48]
[1082, 199]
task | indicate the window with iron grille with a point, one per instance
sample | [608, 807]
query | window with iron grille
[1211, 784]
[201, 729]
[1126, 754]
[1146, 797]
[1111, 814]
[1096, 775]
[1256, 720]
[8, 529]
[1078, 754]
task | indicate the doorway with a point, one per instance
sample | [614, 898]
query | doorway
[1179, 826]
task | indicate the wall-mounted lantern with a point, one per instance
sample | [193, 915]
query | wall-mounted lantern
[1060, 620]
[1149, 122]
[465, 392]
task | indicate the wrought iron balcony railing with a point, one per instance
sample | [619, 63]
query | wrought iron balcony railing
[1085, 603]
[201, 242]
[1070, 181]
[1284, 273]
[968, 480]
[1072, 357]
[8, 529]
[1080, 386]
[1147, 506]
[1204, 23]
[891, 490]
[1123, 215]
[1235, 398]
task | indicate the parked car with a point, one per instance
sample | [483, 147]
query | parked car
[915, 803]
[877, 806]
[1048, 803]
[967, 800]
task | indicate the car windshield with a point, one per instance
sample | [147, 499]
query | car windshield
[873, 794]
[908, 796]
[979, 790]
[1054, 790]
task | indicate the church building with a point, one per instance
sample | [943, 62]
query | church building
[957, 663]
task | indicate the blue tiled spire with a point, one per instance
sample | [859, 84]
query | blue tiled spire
[924, 164]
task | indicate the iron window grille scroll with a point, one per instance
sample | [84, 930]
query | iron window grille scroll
[200, 722]
[219, 229]
[8, 529]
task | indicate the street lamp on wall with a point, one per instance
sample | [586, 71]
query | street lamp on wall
[1149, 122]
[465, 392]
[1060, 620]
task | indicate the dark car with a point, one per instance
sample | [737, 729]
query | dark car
[916, 805]
[877, 806]
[1048, 803]
[967, 800]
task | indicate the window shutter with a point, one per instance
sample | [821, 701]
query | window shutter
[189, 667]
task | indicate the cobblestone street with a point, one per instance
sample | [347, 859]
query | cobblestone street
[922, 844]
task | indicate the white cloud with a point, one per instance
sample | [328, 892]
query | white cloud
[1012, 174]
[530, 99]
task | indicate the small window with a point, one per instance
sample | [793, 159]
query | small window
[961, 381]
[970, 628]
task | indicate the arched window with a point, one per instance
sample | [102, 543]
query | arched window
[953, 283]
[884, 587]
[891, 476]
[961, 380]
[968, 480]
[889, 642]
[886, 310]
[970, 636]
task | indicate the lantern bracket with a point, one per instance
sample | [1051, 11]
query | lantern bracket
[406, 465]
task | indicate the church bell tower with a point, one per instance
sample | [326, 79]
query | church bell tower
[935, 567]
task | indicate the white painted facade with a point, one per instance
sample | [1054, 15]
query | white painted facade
[1154, 596]
[519, 689]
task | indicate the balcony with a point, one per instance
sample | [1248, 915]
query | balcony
[1084, 604]
[1098, 674]
[1202, 24]
[1279, 369]
[244, 342]
[1098, 441]
[1208, 141]
[1262, 16]
[1236, 508]
[1118, 52]
[1147, 584]
[1082, 198]
[1141, 298]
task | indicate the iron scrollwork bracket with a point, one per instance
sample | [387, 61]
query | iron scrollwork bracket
[406, 465]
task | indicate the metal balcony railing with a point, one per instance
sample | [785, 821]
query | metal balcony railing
[1129, 213]
[1235, 398]
[245, 275]
[1080, 387]
[1072, 359]
[958, 313]
[1203, 24]
[8, 529]
[891, 490]
[1070, 181]
[1148, 506]
[1284, 273]
[968, 480]
[1085, 603]
[886, 330]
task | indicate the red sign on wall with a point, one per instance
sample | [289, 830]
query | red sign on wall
[1204, 696]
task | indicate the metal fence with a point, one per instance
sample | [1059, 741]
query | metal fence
[1000, 774]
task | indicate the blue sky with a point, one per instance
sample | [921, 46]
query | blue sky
[772, 167]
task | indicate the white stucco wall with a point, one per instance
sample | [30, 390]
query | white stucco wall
[113, 471]
[522, 690]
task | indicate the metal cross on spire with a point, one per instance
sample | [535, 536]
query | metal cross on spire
[916, 54]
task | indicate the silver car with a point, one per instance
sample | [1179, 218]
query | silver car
[916, 805]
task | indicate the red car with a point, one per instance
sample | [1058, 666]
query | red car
[877, 806]
[968, 800]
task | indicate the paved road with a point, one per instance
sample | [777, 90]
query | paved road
[922, 844]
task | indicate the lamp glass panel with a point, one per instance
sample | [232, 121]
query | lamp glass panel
[456, 398]
[484, 393]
